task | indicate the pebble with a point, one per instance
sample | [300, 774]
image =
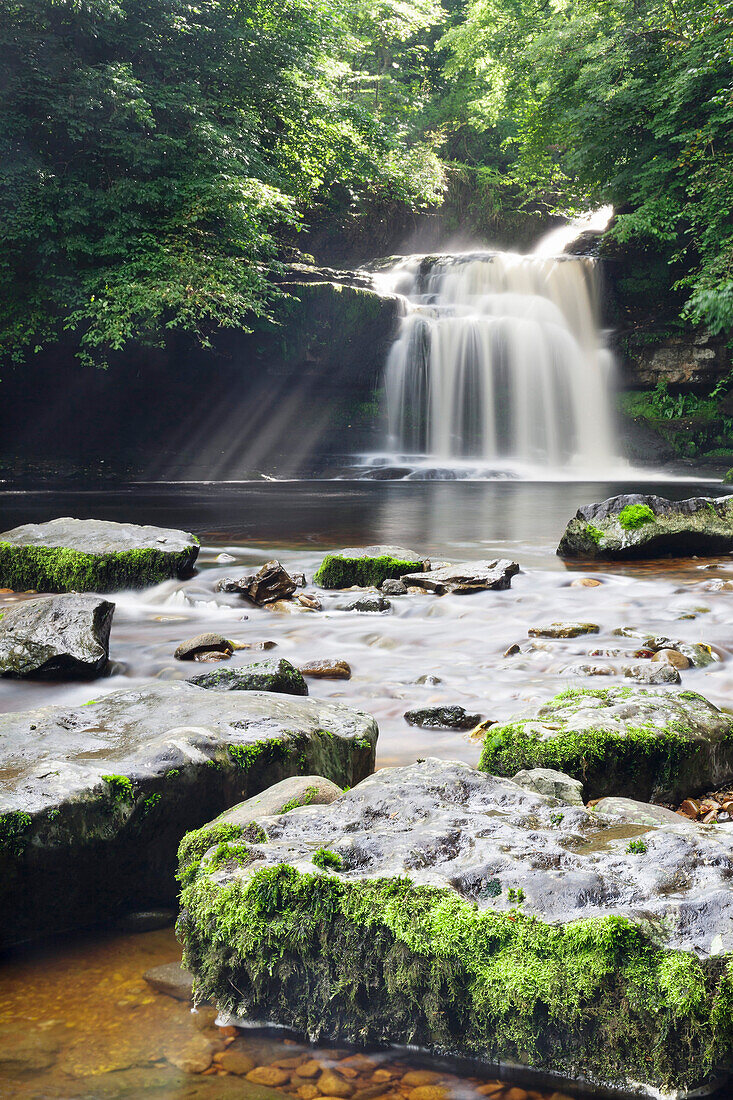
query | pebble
[235, 1061]
[332, 1084]
[585, 582]
[204, 646]
[311, 1068]
[312, 603]
[326, 669]
[563, 630]
[671, 657]
[268, 1075]
[417, 1077]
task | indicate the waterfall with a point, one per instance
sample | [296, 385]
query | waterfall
[500, 360]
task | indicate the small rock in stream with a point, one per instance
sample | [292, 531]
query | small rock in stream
[270, 583]
[563, 630]
[671, 657]
[393, 587]
[172, 979]
[203, 645]
[471, 576]
[327, 669]
[652, 674]
[279, 676]
[443, 718]
[369, 604]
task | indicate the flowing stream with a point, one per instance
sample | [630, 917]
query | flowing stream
[500, 361]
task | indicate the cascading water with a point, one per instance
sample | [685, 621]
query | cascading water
[500, 362]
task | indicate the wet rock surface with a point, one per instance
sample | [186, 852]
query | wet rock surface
[90, 555]
[366, 566]
[274, 675]
[202, 645]
[288, 794]
[328, 668]
[651, 745]
[552, 783]
[638, 525]
[56, 637]
[424, 861]
[94, 799]
[442, 718]
[465, 577]
[270, 583]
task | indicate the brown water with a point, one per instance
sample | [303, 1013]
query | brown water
[76, 1018]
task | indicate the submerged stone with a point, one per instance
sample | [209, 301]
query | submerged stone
[56, 637]
[471, 576]
[274, 675]
[642, 526]
[92, 555]
[94, 799]
[650, 745]
[442, 908]
[366, 566]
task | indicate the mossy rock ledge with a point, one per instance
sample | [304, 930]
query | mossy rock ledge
[366, 566]
[642, 526]
[653, 745]
[94, 799]
[92, 555]
[439, 906]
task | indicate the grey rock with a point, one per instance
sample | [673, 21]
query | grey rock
[369, 603]
[442, 718]
[94, 799]
[105, 556]
[472, 576]
[192, 648]
[56, 637]
[172, 979]
[288, 794]
[641, 813]
[549, 782]
[270, 583]
[275, 675]
[648, 673]
[700, 525]
[698, 653]
[465, 851]
[652, 745]
[393, 587]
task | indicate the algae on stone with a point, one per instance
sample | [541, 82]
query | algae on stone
[650, 745]
[366, 566]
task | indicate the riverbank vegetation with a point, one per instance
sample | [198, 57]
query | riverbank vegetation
[159, 160]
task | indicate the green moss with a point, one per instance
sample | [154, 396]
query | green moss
[120, 788]
[385, 960]
[336, 571]
[634, 516]
[262, 752]
[14, 828]
[593, 533]
[641, 762]
[325, 859]
[637, 847]
[195, 844]
[303, 799]
[59, 569]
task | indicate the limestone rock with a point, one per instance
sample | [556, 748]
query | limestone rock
[94, 799]
[641, 526]
[92, 555]
[365, 566]
[472, 576]
[275, 675]
[468, 879]
[56, 637]
[549, 782]
[650, 745]
[639, 813]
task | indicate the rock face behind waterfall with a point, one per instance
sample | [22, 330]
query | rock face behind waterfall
[639, 526]
[439, 907]
[94, 799]
[92, 555]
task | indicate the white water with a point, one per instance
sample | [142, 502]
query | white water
[500, 360]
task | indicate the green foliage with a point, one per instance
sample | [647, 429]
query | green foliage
[14, 828]
[625, 102]
[326, 859]
[120, 788]
[153, 154]
[637, 847]
[634, 516]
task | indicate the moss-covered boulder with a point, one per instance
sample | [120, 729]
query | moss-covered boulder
[366, 566]
[641, 526]
[92, 555]
[56, 637]
[274, 675]
[436, 906]
[650, 745]
[94, 799]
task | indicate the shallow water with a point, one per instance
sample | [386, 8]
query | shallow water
[84, 999]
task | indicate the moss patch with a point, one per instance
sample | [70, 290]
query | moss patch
[634, 516]
[336, 571]
[385, 960]
[59, 569]
[14, 828]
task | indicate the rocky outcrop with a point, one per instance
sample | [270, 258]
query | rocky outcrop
[471, 576]
[439, 907]
[649, 745]
[275, 675]
[641, 526]
[365, 566]
[692, 362]
[56, 637]
[92, 555]
[94, 799]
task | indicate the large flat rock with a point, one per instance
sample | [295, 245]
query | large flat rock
[94, 799]
[642, 526]
[56, 637]
[92, 555]
[439, 906]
